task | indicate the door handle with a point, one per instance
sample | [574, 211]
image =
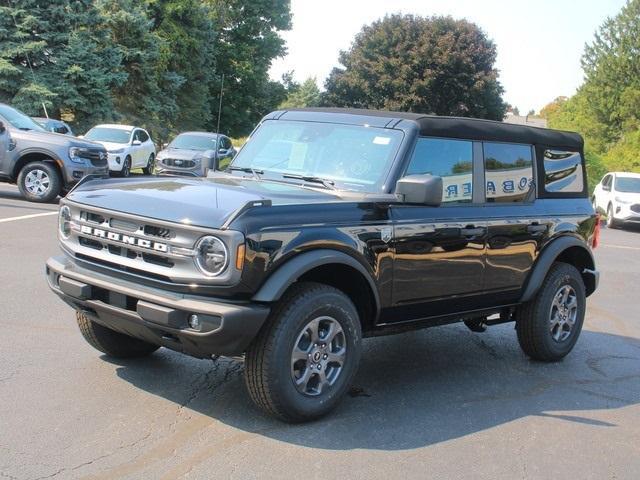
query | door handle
[471, 231]
[536, 228]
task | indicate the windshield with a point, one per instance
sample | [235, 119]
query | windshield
[194, 142]
[18, 119]
[353, 157]
[111, 135]
[628, 184]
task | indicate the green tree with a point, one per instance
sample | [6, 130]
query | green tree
[305, 95]
[247, 41]
[431, 65]
[58, 53]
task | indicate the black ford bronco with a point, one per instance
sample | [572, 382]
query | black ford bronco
[329, 226]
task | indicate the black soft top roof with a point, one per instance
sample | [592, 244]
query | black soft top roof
[448, 127]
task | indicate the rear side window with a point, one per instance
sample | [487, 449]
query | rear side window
[450, 159]
[142, 136]
[563, 171]
[508, 171]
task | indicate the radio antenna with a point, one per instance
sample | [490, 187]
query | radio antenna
[218, 124]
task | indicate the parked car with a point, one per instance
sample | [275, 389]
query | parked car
[618, 194]
[330, 226]
[194, 153]
[54, 126]
[128, 147]
[43, 164]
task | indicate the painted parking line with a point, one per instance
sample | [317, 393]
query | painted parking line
[619, 246]
[25, 217]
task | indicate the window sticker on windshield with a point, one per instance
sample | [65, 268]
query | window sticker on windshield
[297, 156]
[382, 140]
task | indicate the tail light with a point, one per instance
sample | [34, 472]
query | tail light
[595, 241]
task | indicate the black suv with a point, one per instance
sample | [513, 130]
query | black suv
[332, 225]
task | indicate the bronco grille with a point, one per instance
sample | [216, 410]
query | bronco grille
[144, 247]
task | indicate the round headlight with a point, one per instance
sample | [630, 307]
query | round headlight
[212, 256]
[64, 221]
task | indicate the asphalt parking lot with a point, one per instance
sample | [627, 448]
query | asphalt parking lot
[439, 403]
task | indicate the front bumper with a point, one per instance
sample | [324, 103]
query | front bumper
[116, 161]
[74, 172]
[157, 316]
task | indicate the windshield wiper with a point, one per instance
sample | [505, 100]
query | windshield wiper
[256, 173]
[329, 184]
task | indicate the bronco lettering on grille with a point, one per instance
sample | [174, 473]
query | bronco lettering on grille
[124, 239]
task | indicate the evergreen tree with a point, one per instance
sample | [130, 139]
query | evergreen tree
[58, 53]
[305, 95]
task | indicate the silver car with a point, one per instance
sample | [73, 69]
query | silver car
[44, 164]
[194, 153]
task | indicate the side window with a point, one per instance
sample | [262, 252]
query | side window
[606, 183]
[142, 136]
[61, 129]
[450, 159]
[508, 171]
[563, 171]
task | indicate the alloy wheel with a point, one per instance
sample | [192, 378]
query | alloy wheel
[563, 314]
[318, 355]
[37, 182]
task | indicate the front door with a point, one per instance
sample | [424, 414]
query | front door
[439, 260]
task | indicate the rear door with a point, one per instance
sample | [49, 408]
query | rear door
[517, 223]
[439, 251]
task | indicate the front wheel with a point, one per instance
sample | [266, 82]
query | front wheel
[611, 220]
[39, 182]
[305, 357]
[126, 168]
[151, 163]
[110, 342]
[549, 325]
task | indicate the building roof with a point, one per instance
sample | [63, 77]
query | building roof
[448, 127]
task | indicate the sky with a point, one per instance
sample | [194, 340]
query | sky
[539, 43]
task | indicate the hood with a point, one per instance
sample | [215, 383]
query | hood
[113, 146]
[50, 139]
[184, 154]
[628, 196]
[204, 202]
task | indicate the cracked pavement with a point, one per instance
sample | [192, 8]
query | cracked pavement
[441, 403]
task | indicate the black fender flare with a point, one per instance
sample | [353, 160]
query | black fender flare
[290, 271]
[549, 254]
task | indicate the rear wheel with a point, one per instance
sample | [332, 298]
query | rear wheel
[110, 342]
[549, 325]
[39, 182]
[151, 163]
[304, 359]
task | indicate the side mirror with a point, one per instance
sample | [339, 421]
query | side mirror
[421, 189]
[80, 136]
[223, 151]
[136, 143]
[2, 128]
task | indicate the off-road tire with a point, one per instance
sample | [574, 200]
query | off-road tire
[268, 359]
[148, 170]
[533, 318]
[55, 186]
[110, 342]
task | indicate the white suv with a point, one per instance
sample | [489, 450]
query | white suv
[618, 194]
[128, 147]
